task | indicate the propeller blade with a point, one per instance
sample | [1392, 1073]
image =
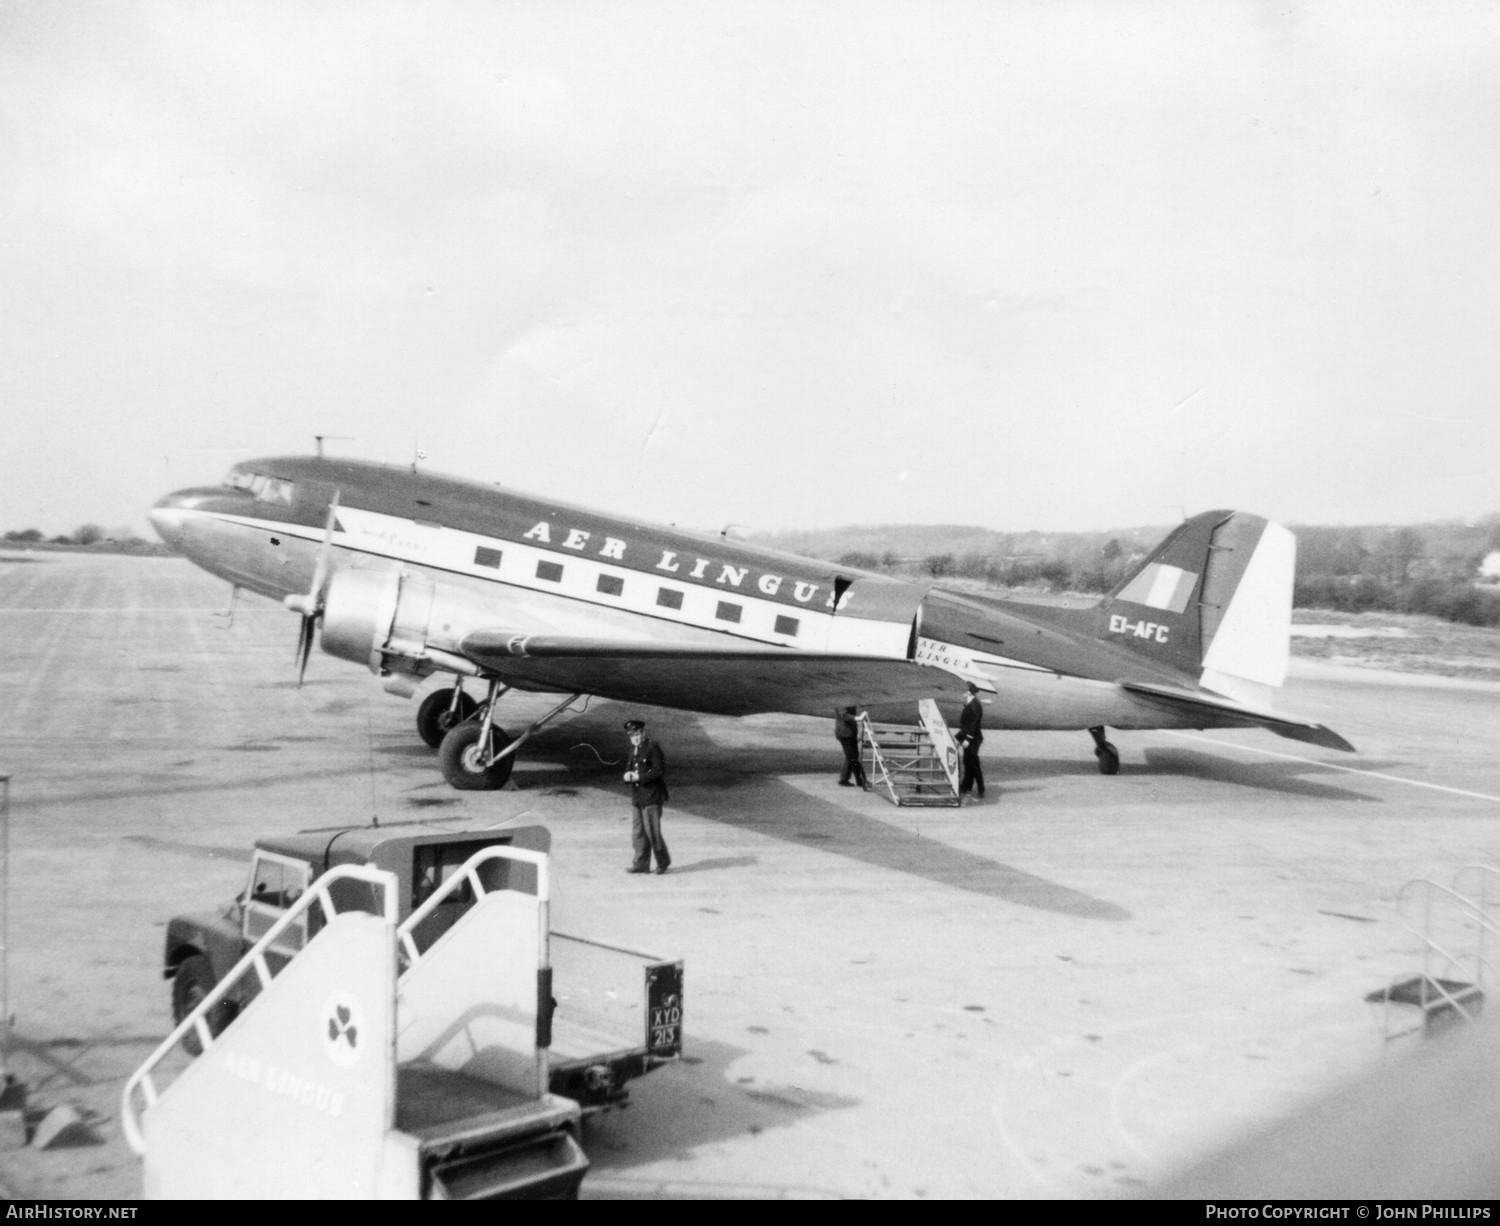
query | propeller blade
[304, 647]
[320, 571]
[311, 605]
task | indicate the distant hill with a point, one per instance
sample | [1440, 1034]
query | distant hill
[909, 543]
[1427, 568]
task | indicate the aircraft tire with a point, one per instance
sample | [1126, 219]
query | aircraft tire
[457, 753]
[195, 980]
[435, 719]
[1109, 759]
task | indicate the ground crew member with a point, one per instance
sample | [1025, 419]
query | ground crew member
[646, 772]
[846, 729]
[970, 738]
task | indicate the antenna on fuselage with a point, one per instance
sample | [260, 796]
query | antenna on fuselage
[342, 438]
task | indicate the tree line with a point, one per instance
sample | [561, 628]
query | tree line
[86, 536]
[1433, 569]
[1429, 568]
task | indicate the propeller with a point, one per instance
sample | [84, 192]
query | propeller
[310, 605]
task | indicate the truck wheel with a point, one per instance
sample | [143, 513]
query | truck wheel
[195, 980]
[435, 717]
[462, 763]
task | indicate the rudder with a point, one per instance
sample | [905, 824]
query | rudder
[1214, 601]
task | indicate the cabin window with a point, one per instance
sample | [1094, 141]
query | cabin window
[728, 612]
[550, 571]
[611, 585]
[787, 626]
[487, 557]
[669, 598]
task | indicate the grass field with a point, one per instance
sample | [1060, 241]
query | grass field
[1399, 642]
[1396, 642]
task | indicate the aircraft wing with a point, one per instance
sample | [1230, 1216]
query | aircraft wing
[727, 680]
[1175, 698]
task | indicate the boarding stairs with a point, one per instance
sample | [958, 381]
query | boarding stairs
[913, 766]
[1458, 927]
[367, 1067]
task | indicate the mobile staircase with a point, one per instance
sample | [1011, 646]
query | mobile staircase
[1458, 927]
[912, 765]
[368, 1068]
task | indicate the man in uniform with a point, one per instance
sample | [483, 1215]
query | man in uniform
[970, 738]
[646, 772]
[846, 729]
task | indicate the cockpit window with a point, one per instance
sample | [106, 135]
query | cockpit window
[265, 489]
[275, 490]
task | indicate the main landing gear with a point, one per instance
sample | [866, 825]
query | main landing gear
[478, 755]
[1108, 755]
[442, 711]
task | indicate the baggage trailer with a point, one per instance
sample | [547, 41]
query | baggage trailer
[618, 1012]
[368, 1065]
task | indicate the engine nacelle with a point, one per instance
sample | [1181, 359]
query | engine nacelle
[399, 621]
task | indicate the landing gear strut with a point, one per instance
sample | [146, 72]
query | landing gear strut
[442, 711]
[1108, 755]
[477, 755]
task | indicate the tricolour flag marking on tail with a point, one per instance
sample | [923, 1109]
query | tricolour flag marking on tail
[1159, 586]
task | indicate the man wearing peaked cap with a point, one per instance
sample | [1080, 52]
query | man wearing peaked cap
[646, 772]
[970, 738]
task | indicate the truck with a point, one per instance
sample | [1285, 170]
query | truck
[388, 1023]
[609, 1015]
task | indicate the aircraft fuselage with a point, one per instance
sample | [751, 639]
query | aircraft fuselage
[502, 559]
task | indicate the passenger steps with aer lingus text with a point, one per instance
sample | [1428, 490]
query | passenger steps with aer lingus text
[912, 766]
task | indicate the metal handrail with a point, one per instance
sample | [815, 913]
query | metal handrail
[1465, 909]
[867, 736]
[254, 959]
[469, 873]
[1469, 908]
[1486, 898]
[892, 767]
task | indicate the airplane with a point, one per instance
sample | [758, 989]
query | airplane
[412, 574]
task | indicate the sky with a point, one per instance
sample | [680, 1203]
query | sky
[1019, 264]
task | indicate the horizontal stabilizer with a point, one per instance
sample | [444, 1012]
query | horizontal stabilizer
[1272, 721]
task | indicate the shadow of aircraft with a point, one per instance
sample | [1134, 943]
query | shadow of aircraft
[1269, 776]
[745, 786]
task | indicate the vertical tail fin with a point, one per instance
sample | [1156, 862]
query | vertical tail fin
[1213, 600]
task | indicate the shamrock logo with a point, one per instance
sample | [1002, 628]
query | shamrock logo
[343, 1024]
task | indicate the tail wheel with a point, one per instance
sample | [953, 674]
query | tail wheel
[1109, 759]
[461, 756]
[436, 717]
[190, 986]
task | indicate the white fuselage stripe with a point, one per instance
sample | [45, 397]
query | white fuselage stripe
[454, 550]
[1352, 770]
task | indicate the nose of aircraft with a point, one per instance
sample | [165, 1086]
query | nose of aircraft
[166, 518]
[169, 516]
